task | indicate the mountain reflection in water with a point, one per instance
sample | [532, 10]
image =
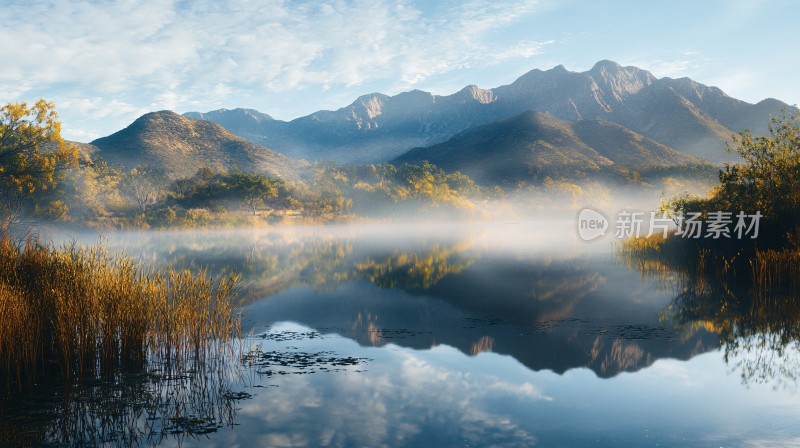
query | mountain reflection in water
[544, 299]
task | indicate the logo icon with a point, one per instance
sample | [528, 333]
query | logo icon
[591, 224]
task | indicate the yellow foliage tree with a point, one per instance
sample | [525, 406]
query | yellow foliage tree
[32, 153]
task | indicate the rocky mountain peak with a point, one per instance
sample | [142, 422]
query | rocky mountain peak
[694, 90]
[370, 105]
[475, 93]
[252, 113]
[161, 115]
[413, 99]
[618, 81]
[164, 119]
[606, 66]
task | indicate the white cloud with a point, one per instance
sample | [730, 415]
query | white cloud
[394, 401]
[85, 135]
[419, 373]
[737, 82]
[171, 53]
[99, 107]
[685, 63]
[520, 50]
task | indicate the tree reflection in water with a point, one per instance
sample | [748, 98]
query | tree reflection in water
[753, 305]
[274, 261]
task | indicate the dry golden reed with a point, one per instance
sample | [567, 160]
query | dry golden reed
[73, 312]
[776, 274]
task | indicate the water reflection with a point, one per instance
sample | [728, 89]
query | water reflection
[456, 336]
[270, 261]
[547, 301]
[439, 396]
[145, 407]
[754, 310]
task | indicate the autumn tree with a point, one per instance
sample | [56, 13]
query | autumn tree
[767, 180]
[254, 189]
[144, 185]
[32, 156]
[428, 184]
[188, 186]
[94, 190]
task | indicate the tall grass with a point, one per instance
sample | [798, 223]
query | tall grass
[776, 275]
[72, 312]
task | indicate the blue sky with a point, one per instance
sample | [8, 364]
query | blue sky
[106, 63]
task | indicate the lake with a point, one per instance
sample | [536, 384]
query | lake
[502, 334]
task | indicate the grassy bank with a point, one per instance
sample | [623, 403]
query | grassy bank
[770, 270]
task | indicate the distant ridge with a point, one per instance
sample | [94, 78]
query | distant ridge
[239, 121]
[680, 113]
[534, 145]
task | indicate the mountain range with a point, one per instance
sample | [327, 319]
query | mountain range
[682, 114]
[555, 123]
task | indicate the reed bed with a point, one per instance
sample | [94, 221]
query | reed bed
[73, 312]
[776, 275]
